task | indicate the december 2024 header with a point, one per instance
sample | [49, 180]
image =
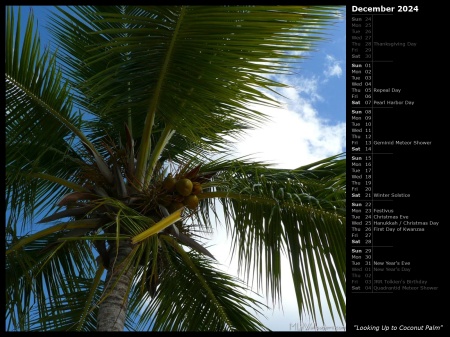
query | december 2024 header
[383, 9]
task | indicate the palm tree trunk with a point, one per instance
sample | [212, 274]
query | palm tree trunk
[112, 311]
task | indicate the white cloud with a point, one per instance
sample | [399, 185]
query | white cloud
[332, 67]
[296, 134]
[293, 138]
[302, 89]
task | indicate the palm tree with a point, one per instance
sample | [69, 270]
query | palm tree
[118, 146]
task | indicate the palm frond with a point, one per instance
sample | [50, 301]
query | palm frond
[39, 122]
[300, 213]
[43, 286]
[195, 296]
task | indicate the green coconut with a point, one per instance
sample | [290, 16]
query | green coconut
[184, 187]
[191, 201]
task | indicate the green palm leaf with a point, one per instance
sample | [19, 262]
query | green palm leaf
[299, 212]
[206, 298]
[43, 286]
[39, 121]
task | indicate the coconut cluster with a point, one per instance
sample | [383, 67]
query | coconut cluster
[180, 192]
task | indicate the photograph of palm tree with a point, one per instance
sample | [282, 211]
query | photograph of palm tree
[167, 168]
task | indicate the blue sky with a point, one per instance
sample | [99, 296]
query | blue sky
[309, 127]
